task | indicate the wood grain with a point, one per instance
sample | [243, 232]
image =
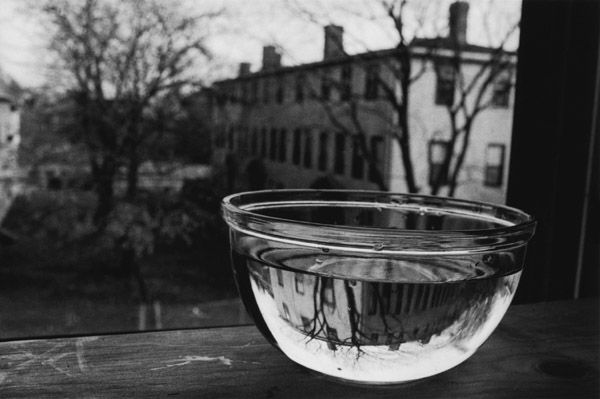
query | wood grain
[547, 350]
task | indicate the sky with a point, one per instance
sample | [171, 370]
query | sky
[295, 26]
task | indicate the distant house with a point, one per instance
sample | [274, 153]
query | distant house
[164, 176]
[277, 116]
[10, 138]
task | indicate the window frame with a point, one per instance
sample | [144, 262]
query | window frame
[499, 180]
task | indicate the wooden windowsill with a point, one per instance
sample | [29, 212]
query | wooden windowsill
[545, 350]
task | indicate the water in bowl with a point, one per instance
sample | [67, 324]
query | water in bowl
[420, 320]
[375, 317]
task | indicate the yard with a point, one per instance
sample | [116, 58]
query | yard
[57, 280]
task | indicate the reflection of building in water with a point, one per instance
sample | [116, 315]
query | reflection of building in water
[366, 313]
[9, 143]
[273, 128]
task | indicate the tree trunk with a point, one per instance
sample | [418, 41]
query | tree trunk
[132, 176]
[409, 172]
[104, 176]
[130, 263]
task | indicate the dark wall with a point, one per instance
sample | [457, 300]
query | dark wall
[554, 141]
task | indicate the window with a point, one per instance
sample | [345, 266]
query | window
[374, 338]
[299, 283]
[254, 91]
[372, 309]
[358, 163]
[306, 323]
[332, 338]
[346, 86]
[282, 145]
[377, 153]
[436, 155]
[263, 143]
[494, 165]
[273, 145]
[280, 277]
[231, 138]
[328, 291]
[326, 85]
[266, 85]
[323, 139]
[444, 90]
[297, 147]
[386, 291]
[280, 93]
[372, 82]
[501, 91]
[340, 154]
[286, 312]
[300, 81]
[254, 148]
[245, 92]
[308, 148]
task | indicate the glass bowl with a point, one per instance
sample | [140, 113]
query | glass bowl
[373, 287]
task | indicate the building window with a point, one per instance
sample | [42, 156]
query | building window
[244, 92]
[279, 277]
[266, 85]
[263, 143]
[358, 163]
[280, 94]
[332, 338]
[308, 148]
[254, 142]
[374, 338]
[326, 85]
[286, 312]
[346, 86]
[372, 82]
[231, 138]
[444, 89]
[372, 308]
[501, 91]
[282, 145]
[494, 165]
[254, 91]
[299, 283]
[328, 292]
[306, 323]
[339, 164]
[273, 145]
[297, 147]
[323, 139]
[300, 81]
[376, 172]
[436, 155]
[386, 292]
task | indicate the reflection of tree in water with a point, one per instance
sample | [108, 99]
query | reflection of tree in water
[357, 313]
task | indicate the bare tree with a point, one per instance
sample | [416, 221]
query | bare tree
[121, 59]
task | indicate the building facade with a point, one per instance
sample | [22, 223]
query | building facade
[10, 177]
[302, 126]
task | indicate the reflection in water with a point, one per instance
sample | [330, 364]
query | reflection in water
[374, 331]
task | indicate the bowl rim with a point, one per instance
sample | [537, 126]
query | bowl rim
[529, 222]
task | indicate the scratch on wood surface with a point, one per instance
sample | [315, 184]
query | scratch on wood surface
[185, 360]
[79, 351]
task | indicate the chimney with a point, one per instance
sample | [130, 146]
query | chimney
[459, 11]
[334, 42]
[244, 69]
[271, 58]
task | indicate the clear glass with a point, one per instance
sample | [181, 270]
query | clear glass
[371, 287]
